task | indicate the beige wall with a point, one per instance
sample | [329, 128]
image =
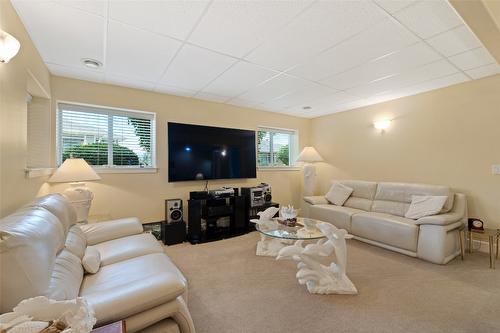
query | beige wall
[449, 136]
[15, 188]
[143, 195]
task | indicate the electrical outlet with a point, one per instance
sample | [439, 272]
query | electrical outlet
[495, 169]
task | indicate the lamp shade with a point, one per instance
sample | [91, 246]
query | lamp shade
[309, 155]
[74, 170]
[9, 46]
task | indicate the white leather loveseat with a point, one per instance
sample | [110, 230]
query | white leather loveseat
[41, 249]
[374, 213]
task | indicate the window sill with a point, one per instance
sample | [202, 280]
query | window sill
[38, 172]
[291, 168]
[126, 170]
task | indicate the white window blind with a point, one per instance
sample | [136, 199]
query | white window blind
[38, 133]
[276, 147]
[106, 137]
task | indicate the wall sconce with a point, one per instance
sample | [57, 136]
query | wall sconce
[382, 124]
[9, 46]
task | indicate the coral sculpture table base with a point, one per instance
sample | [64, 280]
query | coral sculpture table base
[318, 278]
[269, 246]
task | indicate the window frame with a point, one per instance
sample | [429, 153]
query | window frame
[293, 150]
[108, 110]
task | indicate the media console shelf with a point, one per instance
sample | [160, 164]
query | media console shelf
[211, 210]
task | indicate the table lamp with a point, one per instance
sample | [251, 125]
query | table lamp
[76, 171]
[309, 156]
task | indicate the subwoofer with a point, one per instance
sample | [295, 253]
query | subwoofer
[173, 210]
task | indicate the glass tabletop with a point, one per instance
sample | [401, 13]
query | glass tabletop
[273, 228]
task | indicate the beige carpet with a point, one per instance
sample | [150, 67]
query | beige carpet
[232, 290]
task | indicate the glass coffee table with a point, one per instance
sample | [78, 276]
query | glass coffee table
[286, 242]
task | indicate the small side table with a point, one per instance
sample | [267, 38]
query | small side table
[117, 327]
[492, 235]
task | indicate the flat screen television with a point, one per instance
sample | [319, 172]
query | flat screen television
[203, 152]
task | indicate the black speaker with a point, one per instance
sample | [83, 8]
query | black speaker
[173, 210]
[174, 233]
[194, 221]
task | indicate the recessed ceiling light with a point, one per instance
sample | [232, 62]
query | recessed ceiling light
[91, 63]
[307, 107]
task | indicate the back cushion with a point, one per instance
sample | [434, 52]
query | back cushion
[29, 241]
[76, 241]
[362, 194]
[59, 206]
[67, 276]
[395, 198]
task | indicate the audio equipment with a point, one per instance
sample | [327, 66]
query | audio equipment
[255, 195]
[223, 192]
[266, 191]
[173, 210]
[174, 233]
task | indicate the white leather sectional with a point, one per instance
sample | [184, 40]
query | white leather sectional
[41, 249]
[374, 213]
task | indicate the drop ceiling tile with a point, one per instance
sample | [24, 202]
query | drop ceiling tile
[237, 27]
[435, 84]
[237, 101]
[97, 7]
[355, 51]
[211, 97]
[239, 78]
[454, 41]
[472, 59]
[78, 73]
[165, 89]
[137, 53]
[331, 102]
[484, 71]
[414, 76]
[170, 18]
[429, 18]
[274, 88]
[300, 97]
[392, 64]
[323, 25]
[61, 33]
[393, 6]
[194, 67]
[128, 82]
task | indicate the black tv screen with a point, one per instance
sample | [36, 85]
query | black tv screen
[204, 152]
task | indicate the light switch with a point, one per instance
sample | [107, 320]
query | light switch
[495, 169]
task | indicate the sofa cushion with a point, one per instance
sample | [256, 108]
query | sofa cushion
[339, 216]
[30, 239]
[395, 198]
[392, 230]
[59, 206]
[91, 260]
[425, 205]
[132, 286]
[113, 229]
[338, 194]
[362, 194]
[127, 247]
[67, 276]
[76, 242]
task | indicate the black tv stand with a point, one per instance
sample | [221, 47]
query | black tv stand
[210, 210]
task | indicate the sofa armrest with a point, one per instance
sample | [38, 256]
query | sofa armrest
[113, 229]
[457, 214]
[316, 200]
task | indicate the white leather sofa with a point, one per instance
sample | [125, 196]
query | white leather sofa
[374, 213]
[41, 249]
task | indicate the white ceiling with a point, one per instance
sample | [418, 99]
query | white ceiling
[272, 55]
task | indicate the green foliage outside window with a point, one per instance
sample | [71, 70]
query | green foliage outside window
[97, 154]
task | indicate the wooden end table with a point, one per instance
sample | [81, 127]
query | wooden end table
[492, 235]
[117, 327]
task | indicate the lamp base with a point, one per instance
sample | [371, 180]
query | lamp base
[80, 197]
[309, 179]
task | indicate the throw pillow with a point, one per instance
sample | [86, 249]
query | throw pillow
[338, 194]
[425, 205]
[91, 260]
